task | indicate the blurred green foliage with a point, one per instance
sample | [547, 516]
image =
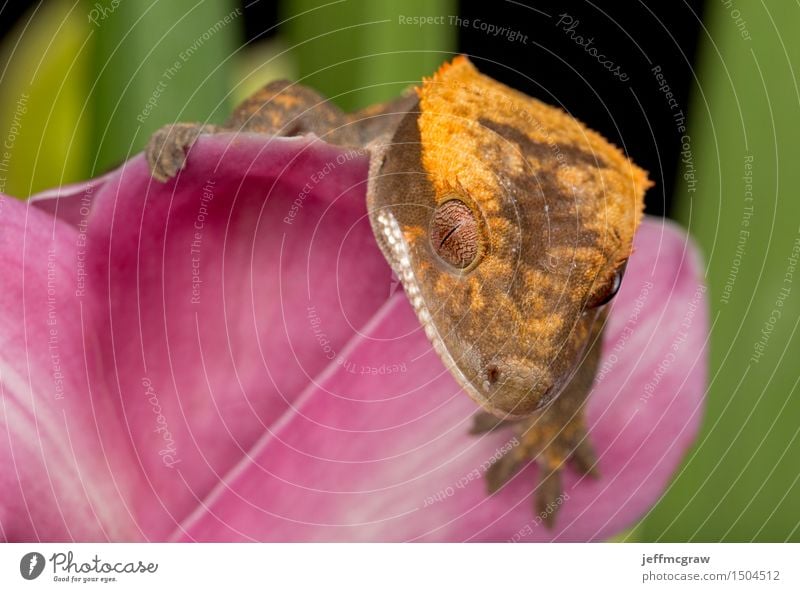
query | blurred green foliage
[98, 77]
[44, 65]
[359, 52]
[741, 481]
[154, 63]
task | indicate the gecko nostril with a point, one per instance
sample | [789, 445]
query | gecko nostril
[492, 374]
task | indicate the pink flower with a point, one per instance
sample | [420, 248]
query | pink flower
[227, 357]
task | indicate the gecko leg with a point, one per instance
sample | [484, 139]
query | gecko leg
[169, 146]
[549, 442]
[552, 437]
[281, 108]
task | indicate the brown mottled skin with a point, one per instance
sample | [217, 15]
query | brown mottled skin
[509, 280]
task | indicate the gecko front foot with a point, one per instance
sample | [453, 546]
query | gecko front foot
[551, 438]
[168, 147]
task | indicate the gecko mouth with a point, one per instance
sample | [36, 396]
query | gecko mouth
[514, 393]
[396, 249]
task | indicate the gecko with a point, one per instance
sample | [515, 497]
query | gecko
[509, 224]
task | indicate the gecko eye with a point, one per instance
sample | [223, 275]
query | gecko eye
[454, 233]
[606, 295]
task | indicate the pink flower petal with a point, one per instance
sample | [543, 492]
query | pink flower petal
[70, 203]
[195, 371]
[210, 280]
[379, 450]
[58, 481]
[234, 324]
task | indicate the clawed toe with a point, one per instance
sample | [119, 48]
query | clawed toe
[548, 495]
[483, 422]
[168, 147]
[501, 471]
[583, 458]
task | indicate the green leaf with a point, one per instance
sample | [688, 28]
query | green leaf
[742, 481]
[157, 62]
[43, 120]
[257, 64]
[359, 52]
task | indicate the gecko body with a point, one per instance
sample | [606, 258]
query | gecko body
[509, 224]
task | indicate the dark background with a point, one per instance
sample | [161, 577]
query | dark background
[636, 35]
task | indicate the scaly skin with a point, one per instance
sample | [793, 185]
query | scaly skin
[509, 224]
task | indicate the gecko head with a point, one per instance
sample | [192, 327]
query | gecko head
[509, 224]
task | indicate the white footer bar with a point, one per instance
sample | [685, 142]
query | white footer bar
[404, 568]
